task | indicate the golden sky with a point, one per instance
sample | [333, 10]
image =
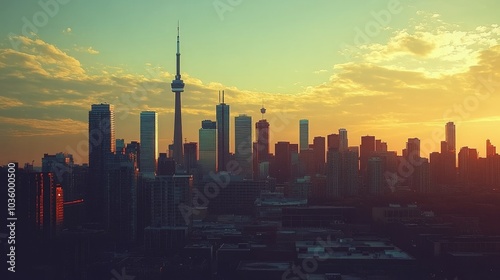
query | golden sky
[397, 77]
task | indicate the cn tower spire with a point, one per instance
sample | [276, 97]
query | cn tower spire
[177, 88]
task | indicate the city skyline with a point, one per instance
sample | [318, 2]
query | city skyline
[405, 82]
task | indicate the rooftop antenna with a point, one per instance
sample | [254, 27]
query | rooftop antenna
[262, 110]
[222, 96]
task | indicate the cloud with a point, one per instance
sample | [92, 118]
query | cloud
[36, 127]
[89, 50]
[414, 75]
[6, 102]
[320, 71]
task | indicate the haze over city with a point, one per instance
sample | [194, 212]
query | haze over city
[393, 69]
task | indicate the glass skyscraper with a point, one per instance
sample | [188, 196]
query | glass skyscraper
[208, 146]
[304, 134]
[149, 143]
[243, 144]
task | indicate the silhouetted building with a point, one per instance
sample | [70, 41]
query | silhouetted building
[101, 148]
[45, 204]
[166, 165]
[261, 150]
[375, 172]
[467, 167]
[190, 156]
[222, 116]
[367, 148]
[490, 149]
[319, 154]
[120, 146]
[121, 181]
[61, 165]
[343, 141]
[283, 162]
[380, 146]
[333, 142]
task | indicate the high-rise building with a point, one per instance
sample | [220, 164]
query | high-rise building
[375, 175]
[319, 154]
[380, 146]
[208, 146]
[121, 183]
[45, 203]
[149, 143]
[261, 150]
[343, 142]
[333, 142]
[450, 137]
[413, 151]
[133, 150]
[304, 134]
[101, 134]
[282, 162]
[366, 149]
[190, 156]
[467, 167]
[101, 149]
[490, 149]
[222, 116]
[243, 144]
[120, 146]
[178, 87]
[61, 165]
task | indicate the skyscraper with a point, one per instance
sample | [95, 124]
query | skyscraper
[450, 137]
[243, 144]
[208, 146]
[101, 134]
[190, 156]
[333, 142]
[101, 149]
[319, 154]
[413, 151]
[262, 130]
[490, 149]
[343, 142]
[282, 162]
[304, 134]
[178, 87]
[366, 149]
[222, 116]
[149, 143]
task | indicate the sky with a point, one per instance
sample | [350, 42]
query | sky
[395, 69]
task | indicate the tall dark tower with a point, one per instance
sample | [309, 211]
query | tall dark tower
[222, 116]
[177, 88]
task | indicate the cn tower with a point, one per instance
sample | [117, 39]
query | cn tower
[177, 88]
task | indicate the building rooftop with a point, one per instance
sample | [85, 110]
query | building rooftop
[268, 266]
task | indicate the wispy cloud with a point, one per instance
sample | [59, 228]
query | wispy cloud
[89, 50]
